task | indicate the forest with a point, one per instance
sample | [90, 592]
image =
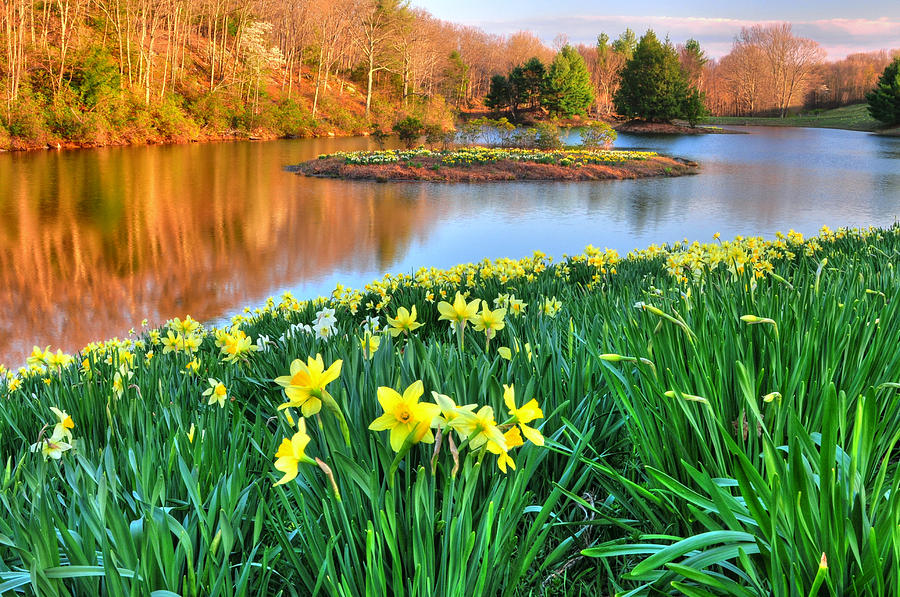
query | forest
[95, 72]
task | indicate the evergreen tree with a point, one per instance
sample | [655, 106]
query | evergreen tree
[498, 95]
[654, 87]
[567, 87]
[884, 100]
[625, 44]
[527, 82]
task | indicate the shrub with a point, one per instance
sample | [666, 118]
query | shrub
[409, 130]
[547, 136]
[598, 135]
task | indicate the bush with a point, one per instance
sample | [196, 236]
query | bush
[171, 122]
[26, 120]
[409, 130]
[598, 135]
[547, 136]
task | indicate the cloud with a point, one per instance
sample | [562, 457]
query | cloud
[838, 36]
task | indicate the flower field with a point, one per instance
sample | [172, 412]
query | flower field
[700, 419]
[493, 163]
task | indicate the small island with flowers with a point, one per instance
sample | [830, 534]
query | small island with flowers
[479, 164]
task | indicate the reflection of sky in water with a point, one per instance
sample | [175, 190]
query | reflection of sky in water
[94, 241]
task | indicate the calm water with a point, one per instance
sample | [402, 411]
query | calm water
[94, 241]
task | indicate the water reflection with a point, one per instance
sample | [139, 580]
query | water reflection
[94, 241]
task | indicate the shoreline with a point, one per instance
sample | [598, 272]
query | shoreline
[211, 138]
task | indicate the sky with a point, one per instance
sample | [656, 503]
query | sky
[841, 27]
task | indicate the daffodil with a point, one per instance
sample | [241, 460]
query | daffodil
[369, 344]
[63, 425]
[513, 439]
[478, 427]
[405, 322]
[517, 306]
[190, 434]
[404, 415]
[216, 392]
[291, 453]
[489, 322]
[459, 312]
[172, 342]
[449, 409]
[237, 346]
[52, 447]
[186, 327]
[37, 356]
[305, 386]
[524, 414]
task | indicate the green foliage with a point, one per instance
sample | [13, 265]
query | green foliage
[547, 136]
[693, 108]
[498, 96]
[668, 456]
[625, 44]
[96, 79]
[171, 121]
[598, 135]
[567, 87]
[653, 85]
[884, 100]
[409, 130]
[524, 86]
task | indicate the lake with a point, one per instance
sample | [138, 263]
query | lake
[94, 241]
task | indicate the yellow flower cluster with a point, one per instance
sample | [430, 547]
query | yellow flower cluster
[468, 156]
[410, 422]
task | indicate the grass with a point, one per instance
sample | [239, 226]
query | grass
[853, 118]
[716, 419]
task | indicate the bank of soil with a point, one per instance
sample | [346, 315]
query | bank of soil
[430, 169]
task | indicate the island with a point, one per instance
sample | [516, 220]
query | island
[479, 164]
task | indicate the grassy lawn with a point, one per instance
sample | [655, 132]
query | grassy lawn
[853, 118]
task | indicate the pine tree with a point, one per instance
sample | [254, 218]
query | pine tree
[884, 100]
[567, 87]
[654, 86]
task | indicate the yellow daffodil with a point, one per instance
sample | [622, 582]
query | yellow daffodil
[14, 384]
[369, 344]
[489, 322]
[459, 312]
[172, 342]
[193, 366]
[63, 425]
[551, 306]
[405, 322]
[237, 346]
[37, 356]
[449, 409]
[186, 327]
[513, 440]
[191, 343]
[517, 306]
[404, 415]
[190, 434]
[305, 386]
[216, 392]
[291, 453]
[524, 415]
[479, 427]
